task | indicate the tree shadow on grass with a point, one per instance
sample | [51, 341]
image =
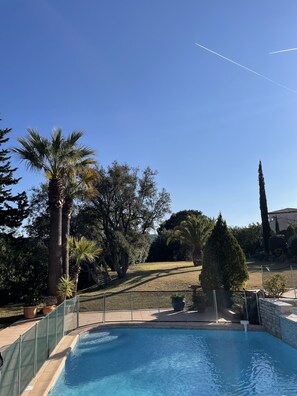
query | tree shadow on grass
[134, 280]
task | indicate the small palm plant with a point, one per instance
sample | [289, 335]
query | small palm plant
[81, 250]
[65, 288]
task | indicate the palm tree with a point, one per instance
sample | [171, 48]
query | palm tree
[57, 157]
[81, 250]
[80, 185]
[193, 232]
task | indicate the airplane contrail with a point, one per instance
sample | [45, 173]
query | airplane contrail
[284, 50]
[247, 69]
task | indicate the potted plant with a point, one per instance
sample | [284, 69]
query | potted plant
[31, 302]
[65, 288]
[50, 303]
[178, 302]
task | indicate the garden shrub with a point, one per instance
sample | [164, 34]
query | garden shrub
[276, 285]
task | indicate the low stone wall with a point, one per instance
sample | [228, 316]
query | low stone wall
[270, 310]
[288, 325]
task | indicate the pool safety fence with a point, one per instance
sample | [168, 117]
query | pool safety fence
[23, 358]
[135, 306]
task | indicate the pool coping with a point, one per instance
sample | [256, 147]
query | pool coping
[47, 376]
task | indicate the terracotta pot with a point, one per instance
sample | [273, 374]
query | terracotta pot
[48, 309]
[30, 312]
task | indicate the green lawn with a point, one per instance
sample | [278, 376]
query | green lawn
[10, 313]
[142, 279]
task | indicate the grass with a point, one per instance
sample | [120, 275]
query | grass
[9, 314]
[143, 279]
[154, 277]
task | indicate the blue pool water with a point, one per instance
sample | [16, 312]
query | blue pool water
[151, 362]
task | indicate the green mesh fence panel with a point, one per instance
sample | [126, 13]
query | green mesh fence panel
[143, 300]
[42, 347]
[9, 377]
[28, 351]
[60, 322]
[70, 321]
[52, 322]
[293, 273]
[118, 302]
[252, 304]
[231, 305]
[91, 304]
[24, 358]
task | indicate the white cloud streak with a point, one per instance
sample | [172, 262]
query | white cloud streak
[247, 69]
[284, 50]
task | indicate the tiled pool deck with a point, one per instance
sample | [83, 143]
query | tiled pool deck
[51, 369]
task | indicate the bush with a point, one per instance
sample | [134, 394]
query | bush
[292, 246]
[278, 245]
[276, 285]
[224, 263]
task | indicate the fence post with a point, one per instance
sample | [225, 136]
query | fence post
[20, 363]
[246, 307]
[262, 277]
[215, 305]
[131, 306]
[292, 278]
[104, 306]
[77, 303]
[35, 349]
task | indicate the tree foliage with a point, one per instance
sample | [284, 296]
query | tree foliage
[13, 208]
[249, 238]
[276, 285]
[125, 207]
[224, 264]
[160, 250]
[38, 221]
[59, 158]
[22, 267]
[264, 210]
[193, 232]
[277, 245]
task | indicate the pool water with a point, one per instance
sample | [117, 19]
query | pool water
[135, 361]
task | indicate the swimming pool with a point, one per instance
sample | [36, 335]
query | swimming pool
[141, 361]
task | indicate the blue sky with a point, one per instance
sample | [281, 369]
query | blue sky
[129, 74]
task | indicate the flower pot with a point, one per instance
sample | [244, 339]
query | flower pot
[178, 305]
[30, 312]
[48, 309]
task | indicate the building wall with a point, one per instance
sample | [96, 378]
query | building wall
[284, 220]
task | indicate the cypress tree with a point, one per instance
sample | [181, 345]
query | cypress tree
[13, 208]
[224, 263]
[264, 210]
[277, 230]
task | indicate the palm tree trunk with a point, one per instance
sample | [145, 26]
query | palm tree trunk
[74, 276]
[66, 218]
[55, 239]
[197, 257]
